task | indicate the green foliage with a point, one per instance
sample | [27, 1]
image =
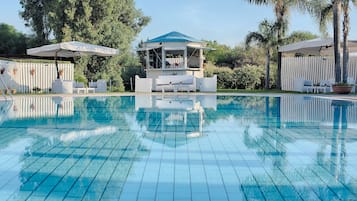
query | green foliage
[298, 36]
[11, 41]
[246, 77]
[131, 67]
[36, 16]
[223, 55]
[224, 78]
[112, 23]
[128, 73]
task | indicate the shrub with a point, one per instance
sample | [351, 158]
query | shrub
[130, 72]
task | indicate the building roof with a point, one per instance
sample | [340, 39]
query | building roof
[315, 46]
[174, 37]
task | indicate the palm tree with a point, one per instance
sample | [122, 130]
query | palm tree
[265, 38]
[325, 11]
[346, 30]
[281, 10]
[336, 38]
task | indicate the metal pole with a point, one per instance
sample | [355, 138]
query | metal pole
[131, 84]
[56, 63]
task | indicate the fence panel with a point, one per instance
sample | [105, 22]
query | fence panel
[311, 68]
[24, 77]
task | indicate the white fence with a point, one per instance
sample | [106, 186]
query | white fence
[24, 77]
[297, 108]
[311, 68]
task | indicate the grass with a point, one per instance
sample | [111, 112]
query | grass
[253, 91]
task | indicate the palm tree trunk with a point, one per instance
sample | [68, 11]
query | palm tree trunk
[267, 69]
[346, 23]
[336, 38]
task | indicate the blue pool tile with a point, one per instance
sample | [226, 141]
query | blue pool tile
[164, 196]
[249, 149]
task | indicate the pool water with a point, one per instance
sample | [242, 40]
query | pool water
[178, 147]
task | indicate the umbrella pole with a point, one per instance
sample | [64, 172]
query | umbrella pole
[56, 63]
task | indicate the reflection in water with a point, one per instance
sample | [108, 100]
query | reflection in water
[174, 118]
[180, 147]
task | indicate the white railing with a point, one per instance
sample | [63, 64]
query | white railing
[174, 63]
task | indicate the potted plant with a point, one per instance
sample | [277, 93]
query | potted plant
[342, 88]
[60, 72]
[32, 72]
[14, 71]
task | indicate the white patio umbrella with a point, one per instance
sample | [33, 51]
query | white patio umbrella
[71, 49]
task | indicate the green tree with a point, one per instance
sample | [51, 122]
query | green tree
[281, 10]
[11, 41]
[298, 36]
[221, 55]
[36, 15]
[112, 23]
[239, 56]
[266, 38]
[330, 10]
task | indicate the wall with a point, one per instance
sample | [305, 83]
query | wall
[25, 76]
[311, 68]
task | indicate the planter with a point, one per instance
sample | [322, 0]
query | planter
[341, 89]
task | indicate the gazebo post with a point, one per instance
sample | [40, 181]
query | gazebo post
[185, 57]
[201, 58]
[163, 58]
[147, 59]
[278, 80]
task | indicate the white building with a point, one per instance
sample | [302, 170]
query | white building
[174, 61]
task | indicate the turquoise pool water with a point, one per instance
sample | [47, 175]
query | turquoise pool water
[178, 148]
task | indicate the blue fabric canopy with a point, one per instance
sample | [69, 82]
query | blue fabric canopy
[173, 37]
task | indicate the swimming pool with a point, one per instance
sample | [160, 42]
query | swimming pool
[178, 147]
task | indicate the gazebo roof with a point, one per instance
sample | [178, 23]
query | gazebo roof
[173, 37]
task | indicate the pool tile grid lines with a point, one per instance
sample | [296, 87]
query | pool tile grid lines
[285, 180]
[316, 174]
[137, 188]
[59, 169]
[32, 166]
[108, 181]
[282, 181]
[77, 191]
[112, 189]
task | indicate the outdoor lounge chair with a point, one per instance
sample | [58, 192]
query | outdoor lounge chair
[78, 87]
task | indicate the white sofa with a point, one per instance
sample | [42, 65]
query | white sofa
[175, 83]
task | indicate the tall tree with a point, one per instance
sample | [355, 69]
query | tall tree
[266, 38]
[36, 15]
[336, 38]
[330, 10]
[346, 30]
[281, 10]
[11, 41]
[113, 23]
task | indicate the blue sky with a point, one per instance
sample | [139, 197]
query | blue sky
[226, 21]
